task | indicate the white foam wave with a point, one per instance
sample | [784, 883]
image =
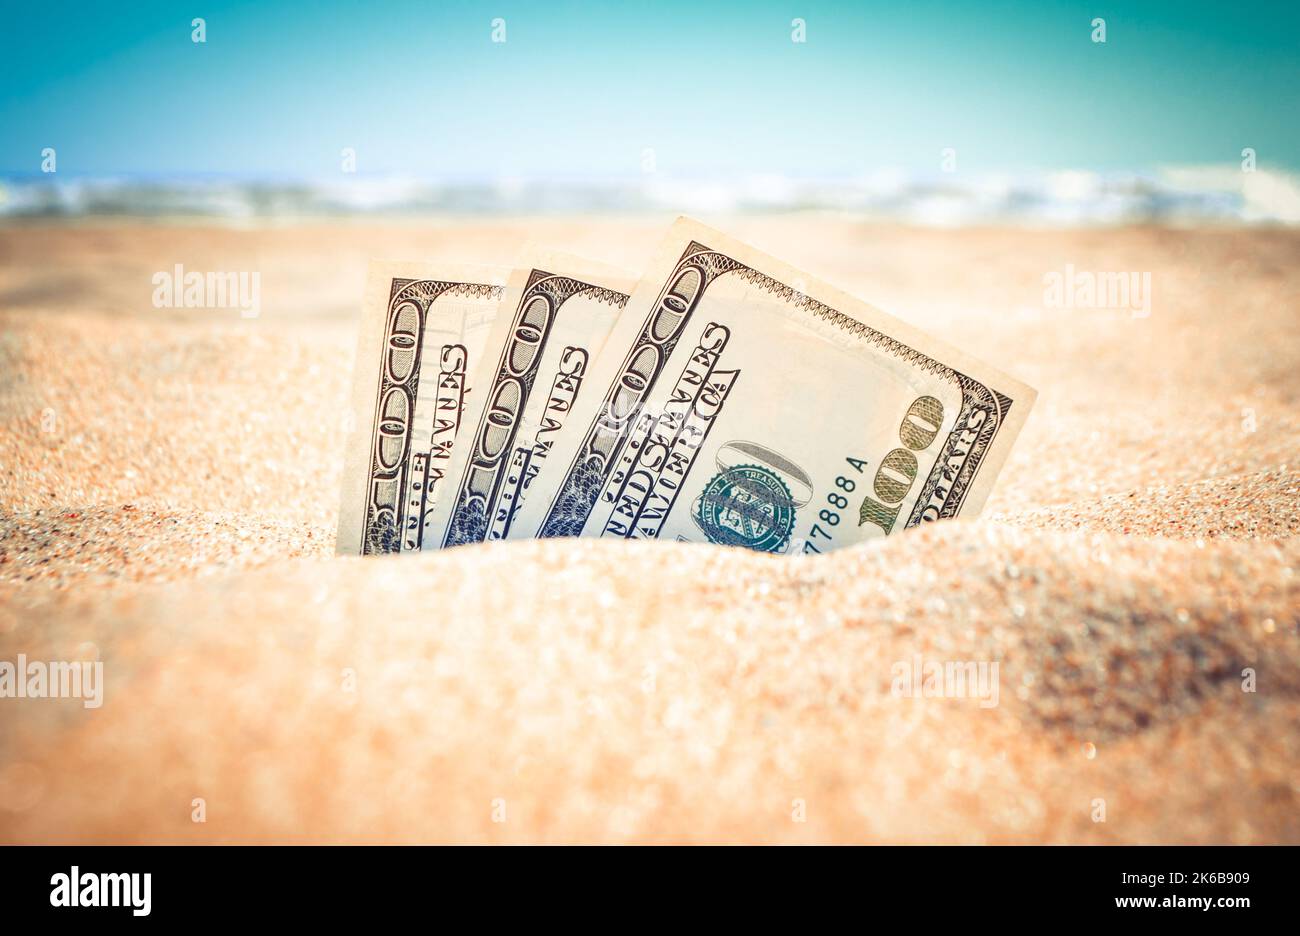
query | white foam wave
[1174, 195]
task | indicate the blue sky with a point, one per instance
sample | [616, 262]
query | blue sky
[580, 90]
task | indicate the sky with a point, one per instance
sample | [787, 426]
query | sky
[584, 90]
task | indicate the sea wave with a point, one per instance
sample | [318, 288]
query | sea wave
[1172, 195]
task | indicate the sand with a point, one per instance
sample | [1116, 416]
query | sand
[169, 495]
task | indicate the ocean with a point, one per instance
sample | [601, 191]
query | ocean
[1185, 195]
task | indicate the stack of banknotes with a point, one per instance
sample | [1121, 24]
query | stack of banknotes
[721, 397]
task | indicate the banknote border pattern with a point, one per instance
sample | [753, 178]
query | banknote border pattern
[468, 522]
[587, 476]
[382, 529]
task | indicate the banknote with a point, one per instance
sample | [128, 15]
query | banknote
[741, 402]
[555, 315]
[422, 332]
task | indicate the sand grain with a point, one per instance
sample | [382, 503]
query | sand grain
[169, 496]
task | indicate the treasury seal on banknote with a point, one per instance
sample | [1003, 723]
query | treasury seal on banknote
[747, 505]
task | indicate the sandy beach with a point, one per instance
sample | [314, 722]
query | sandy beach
[169, 497]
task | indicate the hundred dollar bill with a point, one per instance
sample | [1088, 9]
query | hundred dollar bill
[422, 332]
[742, 402]
[555, 315]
